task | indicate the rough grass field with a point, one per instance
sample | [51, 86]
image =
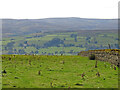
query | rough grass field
[38, 71]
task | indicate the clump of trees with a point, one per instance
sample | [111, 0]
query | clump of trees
[74, 36]
[54, 42]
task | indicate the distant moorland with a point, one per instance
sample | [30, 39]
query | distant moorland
[17, 27]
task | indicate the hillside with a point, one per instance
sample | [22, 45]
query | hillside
[17, 27]
[56, 43]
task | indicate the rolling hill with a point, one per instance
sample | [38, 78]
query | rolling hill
[17, 27]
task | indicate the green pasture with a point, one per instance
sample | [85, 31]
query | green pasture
[43, 71]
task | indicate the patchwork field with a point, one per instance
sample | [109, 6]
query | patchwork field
[43, 71]
[56, 43]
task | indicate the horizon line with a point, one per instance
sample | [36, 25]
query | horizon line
[59, 17]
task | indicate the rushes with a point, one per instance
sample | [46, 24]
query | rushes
[114, 68]
[3, 72]
[62, 62]
[68, 88]
[54, 71]
[82, 75]
[39, 72]
[96, 64]
[30, 62]
[51, 85]
[105, 66]
[9, 58]
[98, 74]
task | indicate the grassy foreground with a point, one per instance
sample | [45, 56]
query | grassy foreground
[38, 71]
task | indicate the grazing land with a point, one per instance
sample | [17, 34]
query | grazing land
[45, 53]
[52, 71]
[60, 42]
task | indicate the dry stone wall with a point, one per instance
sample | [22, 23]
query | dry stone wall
[110, 56]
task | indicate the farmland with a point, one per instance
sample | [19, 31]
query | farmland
[46, 53]
[60, 42]
[54, 71]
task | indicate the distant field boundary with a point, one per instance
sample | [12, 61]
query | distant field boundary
[108, 55]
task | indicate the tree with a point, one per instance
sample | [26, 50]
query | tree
[88, 38]
[20, 45]
[56, 52]
[31, 52]
[36, 52]
[54, 42]
[62, 52]
[25, 42]
[95, 42]
[71, 51]
[10, 46]
[21, 51]
[74, 36]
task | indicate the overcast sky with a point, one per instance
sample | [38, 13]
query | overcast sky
[35, 9]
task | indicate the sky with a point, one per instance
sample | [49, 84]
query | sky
[37, 9]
